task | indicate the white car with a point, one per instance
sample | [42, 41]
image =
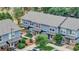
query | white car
[35, 49]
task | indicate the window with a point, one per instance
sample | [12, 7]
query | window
[69, 31]
[37, 25]
[63, 31]
[11, 35]
[26, 22]
[52, 29]
[73, 32]
[31, 23]
[0, 38]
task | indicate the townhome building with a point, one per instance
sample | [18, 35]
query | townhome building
[42, 23]
[50, 25]
[9, 34]
[70, 29]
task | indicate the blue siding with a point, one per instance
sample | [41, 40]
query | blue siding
[77, 34]
[17, 33]
[66, 32]
[26, 23]
[6, 36]
[43, 27]
[53, 29]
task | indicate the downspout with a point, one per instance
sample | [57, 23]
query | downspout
[61, 24]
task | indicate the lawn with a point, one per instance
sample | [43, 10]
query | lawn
[45, 48]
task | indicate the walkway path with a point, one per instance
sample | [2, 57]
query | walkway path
[60, 48]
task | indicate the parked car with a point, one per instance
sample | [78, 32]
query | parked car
[35, 49]
[55, 50]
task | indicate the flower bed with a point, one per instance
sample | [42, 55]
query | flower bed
[29, 35]
[21, 45]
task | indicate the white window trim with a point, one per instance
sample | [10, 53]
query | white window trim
[11, 35]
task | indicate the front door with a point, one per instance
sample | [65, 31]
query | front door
[67, 41]
[49, 36]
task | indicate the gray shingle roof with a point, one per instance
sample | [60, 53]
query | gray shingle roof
[6, 26]
[42, 18]
[71, 23]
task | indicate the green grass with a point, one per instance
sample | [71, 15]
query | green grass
[45, 48]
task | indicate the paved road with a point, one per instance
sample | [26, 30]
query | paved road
[59, 48]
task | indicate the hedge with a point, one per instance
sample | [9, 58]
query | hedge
[21, 45]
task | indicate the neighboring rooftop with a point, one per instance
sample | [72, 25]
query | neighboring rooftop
[52, 20]
[43, 18]
[6, 26]
[71, 23]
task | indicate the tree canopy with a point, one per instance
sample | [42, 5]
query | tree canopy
[41, 40]
[18, 13]
[58, 38]
[62, 11]
[5, 16]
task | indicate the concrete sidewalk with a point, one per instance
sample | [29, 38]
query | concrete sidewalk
[60, 48]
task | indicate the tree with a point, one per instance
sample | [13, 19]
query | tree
[59, 11]
[41, 40]
[18, 13]
[5, 16]
[35, 9]
[45, 9]
[8, 16]
[58, 38]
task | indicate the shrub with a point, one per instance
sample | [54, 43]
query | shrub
[77, 43]
[29, 35]
[31, 41]
[76, 48]
[58, 38]
[21, 45]
[23, 40]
